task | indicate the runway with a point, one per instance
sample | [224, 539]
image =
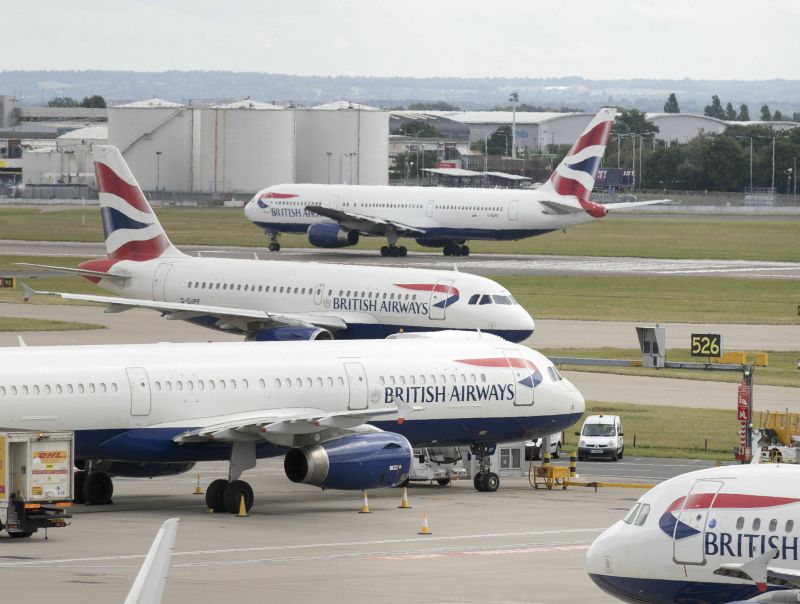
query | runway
[480, 264]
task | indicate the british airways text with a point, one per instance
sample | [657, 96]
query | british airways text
[384, 306]
[749, 545]
[455, 394]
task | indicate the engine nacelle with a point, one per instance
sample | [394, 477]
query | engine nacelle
[133, 469]
[359, 461]
[290, 332]
[330, 234]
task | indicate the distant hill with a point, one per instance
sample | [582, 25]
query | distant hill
[37, 87]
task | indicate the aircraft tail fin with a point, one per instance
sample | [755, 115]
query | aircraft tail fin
[150, 582]
[130, 228]
[575, 175]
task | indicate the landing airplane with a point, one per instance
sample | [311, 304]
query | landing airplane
[337, 215]
[713, 536]
[275, 300]
[343, 413]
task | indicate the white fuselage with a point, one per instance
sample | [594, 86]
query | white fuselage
[128, 402]
[373, 301]
[440, 213]
[695, 523]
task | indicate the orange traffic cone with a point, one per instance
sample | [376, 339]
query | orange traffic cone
[197, 489]
[425, 530]
[242, 509]
[365, 505]
[404, 505]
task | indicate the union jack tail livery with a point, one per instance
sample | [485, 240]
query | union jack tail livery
[575, 174]
[130, 228]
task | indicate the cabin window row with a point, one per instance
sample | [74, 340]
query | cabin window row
[772, 526]
[431, 379]
[58, 389]
[250, 287]
[376, 296]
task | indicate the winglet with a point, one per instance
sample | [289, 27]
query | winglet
[27, 292]
[755, 570]
[148, 587]
[22, 343]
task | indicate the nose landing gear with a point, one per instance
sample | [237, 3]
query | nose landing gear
[485, 480]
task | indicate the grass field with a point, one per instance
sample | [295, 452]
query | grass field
[782, 369]
[697, 237]
[662, 431]
[17, 324]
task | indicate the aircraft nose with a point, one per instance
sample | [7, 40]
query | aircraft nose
[607, 565]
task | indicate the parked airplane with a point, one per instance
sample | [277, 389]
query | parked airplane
[155, 409]
[276, 300]
[336, 215]
[711, 536]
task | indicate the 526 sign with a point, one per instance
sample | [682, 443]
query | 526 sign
[706, 345]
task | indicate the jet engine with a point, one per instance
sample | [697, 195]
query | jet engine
[290, 332]
[358, 461]
[330, 234]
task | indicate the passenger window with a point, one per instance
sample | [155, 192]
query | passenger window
[330, 381]
[412, 380]
[113, 386]
[211, 384]
[298, 382]
[80, 389]
[157, 386]
[288, 382]
[277, 382]
[2, 390]
[628, 518]
[245, 384]
[221, 384]
[69, 389]
[756, 524]
[739, 523]
[262, 384]
[179, 386]
[232, 384]
[319, 382]
[422, 379]
[201, 385]
[58, 389]
[102, 388]
[13, 390]
[309, 382]
[789, 526]
[36, 389]
[483, 377]
[47, 389]
[473, 299]
[190, 385]
[402, 380]
[382, 380]
[773, 524]
[341, 381]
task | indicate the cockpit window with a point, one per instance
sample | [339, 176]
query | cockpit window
[628, 518]
[473, 299]
[599, 430]
[644, 510]
[501, 300]
[551, 372]
[486, 299]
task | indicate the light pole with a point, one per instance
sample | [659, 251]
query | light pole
[789, 180]
[158, 171]
[329, 153]
[514, 99]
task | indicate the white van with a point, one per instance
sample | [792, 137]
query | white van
[601, 436]
[533, 448]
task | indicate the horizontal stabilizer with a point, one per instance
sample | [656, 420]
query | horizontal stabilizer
[632, 205]
[77, 271]
[561, 208]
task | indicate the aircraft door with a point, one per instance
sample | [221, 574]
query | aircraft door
[429, 209]
[522, 371]
[357, 382]
[513, 209]
[440, 299]
[160, 282]
[140, 390]
[691, 518]
[318, 293]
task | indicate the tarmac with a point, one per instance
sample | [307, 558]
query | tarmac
[301, 544]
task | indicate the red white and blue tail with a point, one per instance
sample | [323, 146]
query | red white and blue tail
[130, 228]
[575, 175]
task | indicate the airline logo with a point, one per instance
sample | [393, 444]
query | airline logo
[533, 379]
[452, 298]
[575, 175]
[131, 230]
[281, 212]
[732, 544]
[51, 456]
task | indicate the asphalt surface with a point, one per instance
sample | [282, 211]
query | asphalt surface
[300, 544]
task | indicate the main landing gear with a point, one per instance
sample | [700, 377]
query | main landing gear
[485, 480]
[92, 485]
[453, 249]
[394, 251]
[274, 246]
[226, 495]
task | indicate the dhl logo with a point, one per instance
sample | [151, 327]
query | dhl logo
[51, 456]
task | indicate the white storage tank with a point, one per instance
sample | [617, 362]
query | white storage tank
[342, 143]
[242, 147]
[154, 136]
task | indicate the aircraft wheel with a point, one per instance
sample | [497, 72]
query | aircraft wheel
[274, 247]
[97, 488]
[214, 493]
[20, 534]
[232, 496]
[402, 251]
[465, 250]
[446, 251]
[393, 251]
[478, 482]
[443, 481]
[491, 482]
[385, 251]
[456, 250]
[80, 478]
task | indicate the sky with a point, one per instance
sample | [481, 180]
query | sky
[601, 39]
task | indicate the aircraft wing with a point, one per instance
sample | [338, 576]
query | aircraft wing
[151, 580]
[287, 427]
[77, 271]
[632, 205]
[234, 319]
[366, 224]
[759, 572]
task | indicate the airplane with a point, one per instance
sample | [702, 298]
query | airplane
[269, 300]
[712, 536]
[335, 216]
[345, 414]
